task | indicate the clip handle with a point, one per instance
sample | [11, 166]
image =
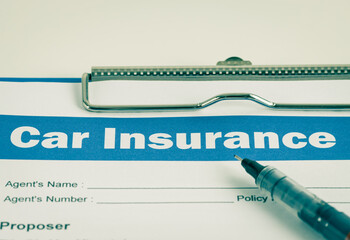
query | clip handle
[182, 107]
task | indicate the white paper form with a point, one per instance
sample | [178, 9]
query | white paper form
[194, 195]
[70, 174]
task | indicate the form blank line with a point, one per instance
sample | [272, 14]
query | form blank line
[202, 202]
[216, 202]
[167, 188]
[328, 187]
[195, 188]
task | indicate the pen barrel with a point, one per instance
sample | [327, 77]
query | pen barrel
[325, 219]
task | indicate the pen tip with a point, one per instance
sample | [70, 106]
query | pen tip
[238, 158]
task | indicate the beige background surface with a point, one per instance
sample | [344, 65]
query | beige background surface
[65, 38]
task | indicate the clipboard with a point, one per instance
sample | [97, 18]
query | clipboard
[184, 162]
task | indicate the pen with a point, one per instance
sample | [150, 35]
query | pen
[322, 217]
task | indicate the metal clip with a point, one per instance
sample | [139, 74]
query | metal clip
[232, 69]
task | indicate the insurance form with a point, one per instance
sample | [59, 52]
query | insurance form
[66, 173]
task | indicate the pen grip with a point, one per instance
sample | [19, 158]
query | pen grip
[331, 223]
[325, 219]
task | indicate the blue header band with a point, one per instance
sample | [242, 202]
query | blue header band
[157, 139]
